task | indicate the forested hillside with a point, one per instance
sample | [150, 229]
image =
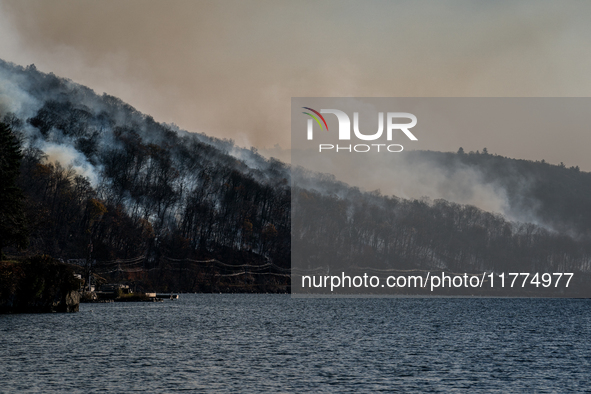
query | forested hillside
[552, 195]
[147, 202]
[141, 191]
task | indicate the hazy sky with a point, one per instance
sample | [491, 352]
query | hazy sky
[229, 68]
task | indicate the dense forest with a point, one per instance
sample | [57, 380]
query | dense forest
[110, 189]
[142, 200]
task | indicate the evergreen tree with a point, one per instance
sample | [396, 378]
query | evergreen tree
[13, 223]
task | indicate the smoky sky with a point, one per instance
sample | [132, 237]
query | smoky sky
[229, 68]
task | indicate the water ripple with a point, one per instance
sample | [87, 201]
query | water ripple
[272, 343]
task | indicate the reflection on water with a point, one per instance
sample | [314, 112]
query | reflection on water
[271, 343]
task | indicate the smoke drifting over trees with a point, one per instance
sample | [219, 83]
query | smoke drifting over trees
[105, 182]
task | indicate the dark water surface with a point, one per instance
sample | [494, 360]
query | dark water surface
[273, 343]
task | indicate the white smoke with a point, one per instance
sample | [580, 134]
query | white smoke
[67, 156]
[14, 99]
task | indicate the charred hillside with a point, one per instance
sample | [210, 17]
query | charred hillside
[105, 182]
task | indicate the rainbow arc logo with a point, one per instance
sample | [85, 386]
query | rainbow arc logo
[316, 118]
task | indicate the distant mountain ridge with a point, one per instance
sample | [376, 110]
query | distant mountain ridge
[554, 195]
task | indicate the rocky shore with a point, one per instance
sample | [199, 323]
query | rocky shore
[38, 284]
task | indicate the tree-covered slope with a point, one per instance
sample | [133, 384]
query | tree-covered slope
[552, 195]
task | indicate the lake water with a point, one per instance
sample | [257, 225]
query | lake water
[273, 343]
